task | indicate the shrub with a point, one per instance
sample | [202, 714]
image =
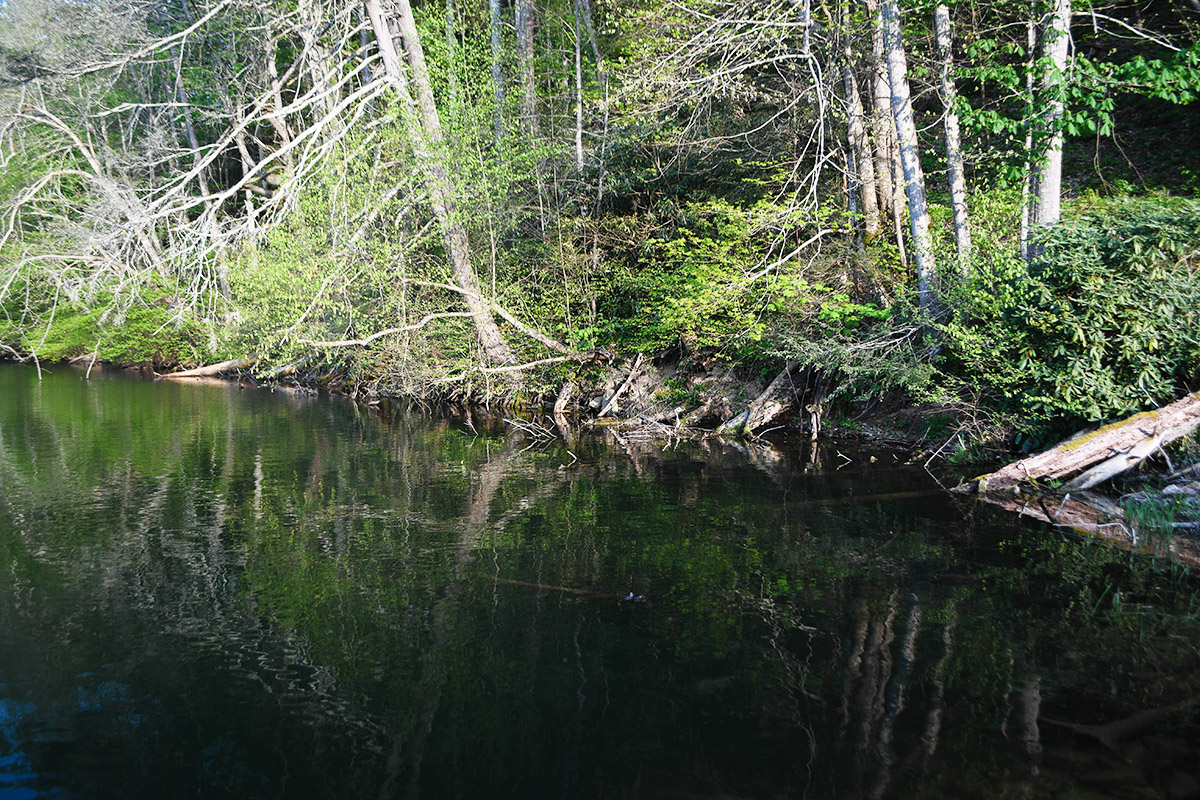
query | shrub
[1103, 322]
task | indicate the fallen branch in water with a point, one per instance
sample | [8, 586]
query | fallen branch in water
[546, 587]
[212, 369]
[1100, 454]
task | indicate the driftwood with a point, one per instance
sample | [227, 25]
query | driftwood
[1100, 454]
[774, 400]
[212, 369]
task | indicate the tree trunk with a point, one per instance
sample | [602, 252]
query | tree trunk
[882, 128]
[1047, 176]
[451, 53]
[954, 155]
[212, 369]
[275, 116]
[906, 138]
[578, 88]
[424, 131]
[863, 173]
[1027, 179]
[494, 28]
[189, 125]
[1097, 517]
[526, 17]
[774, 400]
[1103, 453]
[364, 47]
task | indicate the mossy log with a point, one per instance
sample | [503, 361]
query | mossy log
[1096, 456]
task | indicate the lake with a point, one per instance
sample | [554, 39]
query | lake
[213, 590]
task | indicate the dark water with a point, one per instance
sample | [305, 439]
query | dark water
[207, 591]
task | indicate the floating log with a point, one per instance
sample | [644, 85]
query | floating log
[1110, 733]
[1100, 454]
[212, 369]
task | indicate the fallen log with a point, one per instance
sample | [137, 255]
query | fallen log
[212, 369]
[612, 401]
[1100, 454]
[774, 400]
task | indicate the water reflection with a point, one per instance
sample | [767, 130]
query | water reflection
[229, 592]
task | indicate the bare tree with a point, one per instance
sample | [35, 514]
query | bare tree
[424, 131]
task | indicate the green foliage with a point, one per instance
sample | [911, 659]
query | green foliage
[149, 328]
[1103, 322]
[704, 275]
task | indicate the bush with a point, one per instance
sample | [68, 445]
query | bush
[1103, 322]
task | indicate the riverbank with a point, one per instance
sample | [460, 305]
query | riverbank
[663, 395]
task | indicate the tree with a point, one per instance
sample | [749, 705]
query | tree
[1046, 188]
[863, 168]
[906, 138]
[423, 127]
[954, 153]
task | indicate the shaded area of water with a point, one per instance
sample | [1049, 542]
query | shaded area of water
[222, 592]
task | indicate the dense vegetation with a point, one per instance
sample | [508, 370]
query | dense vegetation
[431, 199]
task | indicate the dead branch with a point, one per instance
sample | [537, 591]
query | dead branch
[16, 356]
[503, 312]
[528, 364]
[425, 320]
[612, 401]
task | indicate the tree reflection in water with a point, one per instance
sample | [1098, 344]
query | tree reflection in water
[217, 590]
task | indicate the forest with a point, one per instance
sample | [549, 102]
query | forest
[765, 212]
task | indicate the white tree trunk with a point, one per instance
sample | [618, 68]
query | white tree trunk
[1047, 180]
[906, 138]
[954, 155]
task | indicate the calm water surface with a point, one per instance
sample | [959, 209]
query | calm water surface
[208, 591]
